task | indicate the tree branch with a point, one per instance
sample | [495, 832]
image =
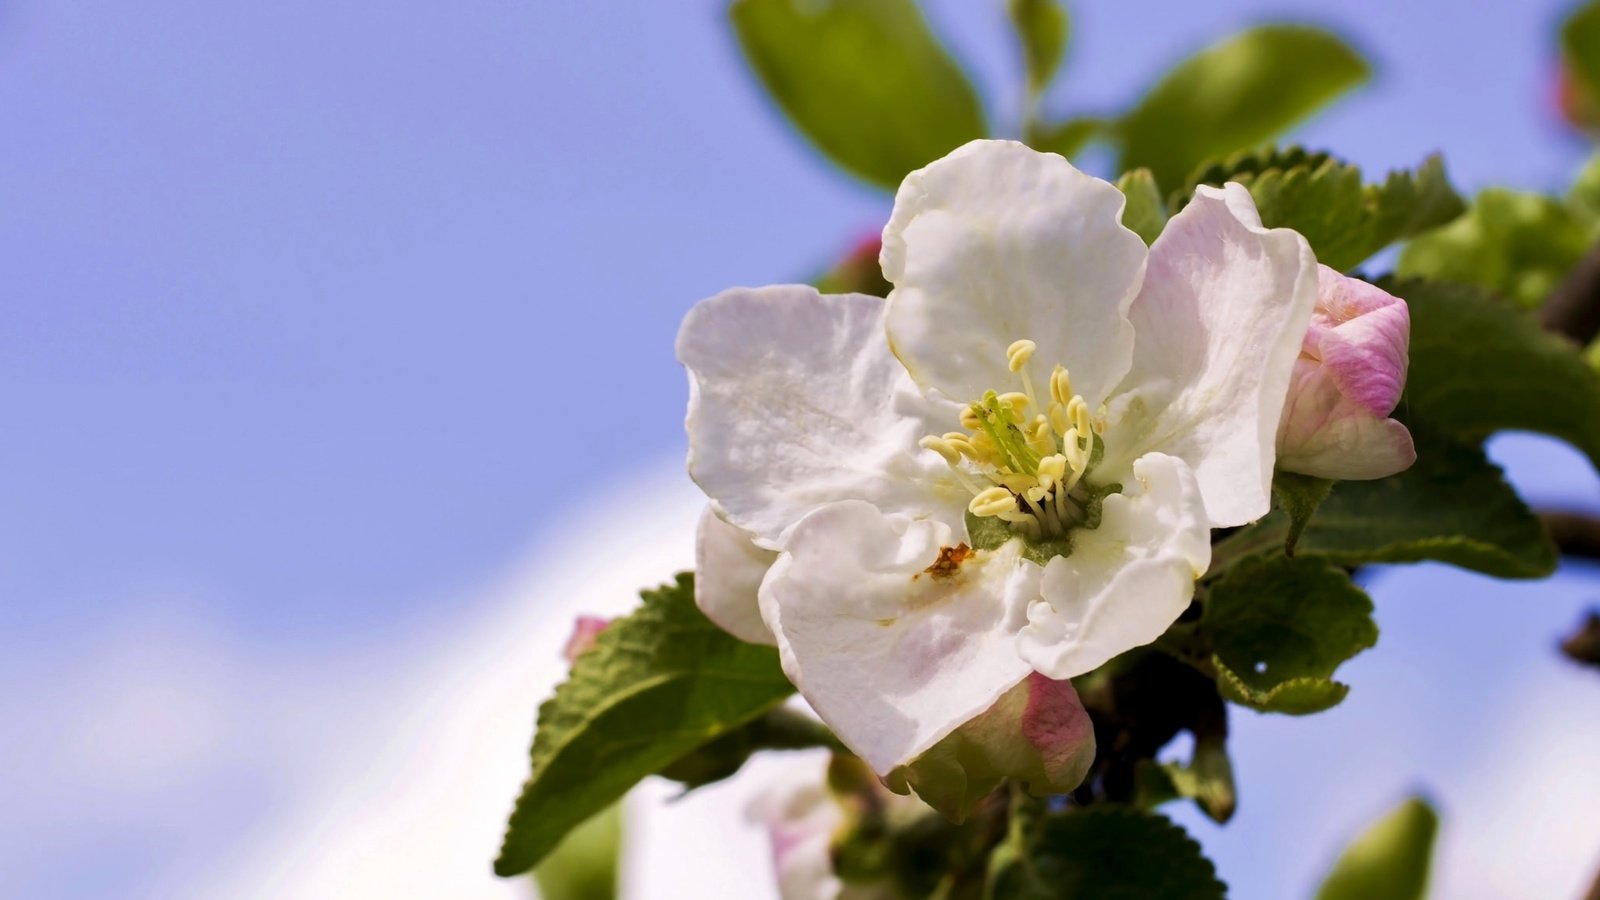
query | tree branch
[1575, 534]
[1573, 309]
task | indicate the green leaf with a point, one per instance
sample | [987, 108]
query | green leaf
[1279, 628]
[584, 866]
[1042, 28]
[864, 80]
[1390, 860]
[1453, 506]
[1066, 138]
[1207, 780]
[1580, 44]
[1324, 198]
[1146, 213]
[1105, 852]
[1298, 496]
[1514, 244]
[656, 685]
[1478, 366]
[1236, 94]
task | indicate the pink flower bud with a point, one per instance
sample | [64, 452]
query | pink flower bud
[584, 632]
[1037, 733]
[1349, 376]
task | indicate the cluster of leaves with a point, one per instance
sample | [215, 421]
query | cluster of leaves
[870, 84]
[664, 692]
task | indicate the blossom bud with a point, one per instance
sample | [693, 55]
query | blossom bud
[584, 632]
[1038, 733]
[1348, 379]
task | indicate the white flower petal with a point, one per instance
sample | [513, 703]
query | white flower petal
[795, 401]
[1219, 322]
[892, 655]
[728, 568]
[996, 243]
[1126, 581]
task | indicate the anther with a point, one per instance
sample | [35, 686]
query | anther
[993, 502]
[942, 447]
[1060, 386]
[1018, 354]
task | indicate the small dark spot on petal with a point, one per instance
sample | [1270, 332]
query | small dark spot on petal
[950, 560]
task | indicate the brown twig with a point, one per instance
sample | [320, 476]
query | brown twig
[1575, 534]
[1573, 309]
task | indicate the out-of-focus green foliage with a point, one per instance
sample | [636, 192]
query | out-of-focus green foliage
[1042, 28]
[1236, 94]
[656, 684]
[1518, 245]
[864, 80]
[584, 866]
[1280, 627]
[1324, 198]
[1580, 45]
[1102, 851]
[1390, 860]
[1479, 366]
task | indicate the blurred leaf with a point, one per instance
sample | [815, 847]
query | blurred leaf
[865, 80]
[1390, 860]
[1236, 94]
[1298, 496]
[779, 729]
[1066, 138]
[1146, 213]
[1583, 198]
[1324, 199]
[1280, 627]
[1106, 852]
[1514, 244]
[1478, 366]
[1580, 44]
[584, 866]
[657, 684]
[1207, 780]
[1042, 28]
[1453, 506]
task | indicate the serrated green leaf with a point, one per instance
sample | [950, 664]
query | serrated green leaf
[1580, 44]
[1042, 29]
[1298, 496]
[1279, 627]
[865, 80]
[1324, 198]
[1066, 138]
[1478, 366]
[656, 685]
[1105, 852]
[1390, 860]
[1146, 212]
[1452, 506]
[584, 866]
[1236, 94]
[1518, 245]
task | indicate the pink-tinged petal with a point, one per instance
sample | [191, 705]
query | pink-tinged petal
[1218, 324]
[1348, 378]
[894, 630]
[584, 632]
[1038, 733]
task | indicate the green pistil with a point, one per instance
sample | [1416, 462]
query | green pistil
[1000, 424]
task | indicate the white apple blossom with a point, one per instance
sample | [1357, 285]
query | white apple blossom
[1010, 466]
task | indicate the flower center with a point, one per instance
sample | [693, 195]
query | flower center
[1024, 461]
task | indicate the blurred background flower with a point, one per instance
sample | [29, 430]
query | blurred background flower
[291, 538]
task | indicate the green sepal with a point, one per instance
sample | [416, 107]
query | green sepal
[1298, 496]
[1146, 212]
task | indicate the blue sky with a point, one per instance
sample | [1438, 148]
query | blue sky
[300, 296]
